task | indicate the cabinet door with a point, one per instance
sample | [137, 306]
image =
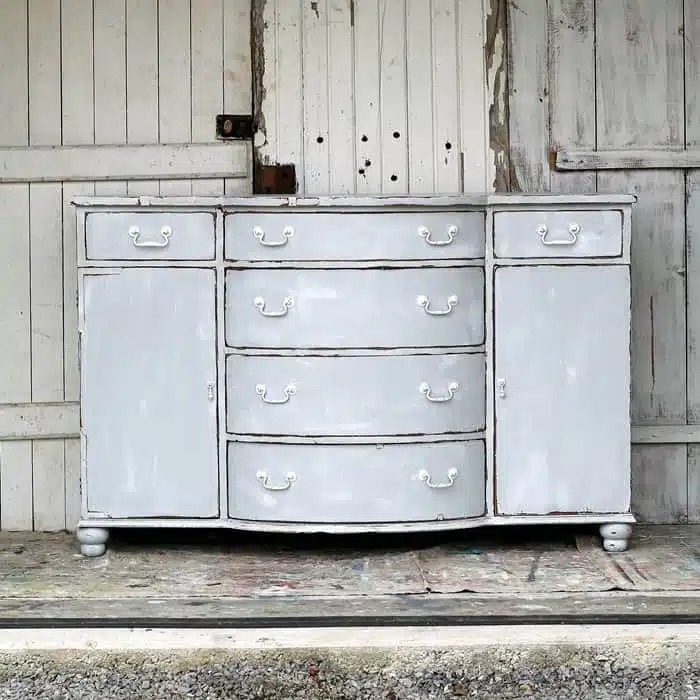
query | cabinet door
[562, 389]
[148, 372]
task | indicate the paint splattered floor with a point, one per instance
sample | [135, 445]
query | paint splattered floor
[166, 567]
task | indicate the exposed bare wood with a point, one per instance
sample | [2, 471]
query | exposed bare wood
[496, 52]
[628, 159]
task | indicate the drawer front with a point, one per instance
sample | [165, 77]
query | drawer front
[355, 308]
[558, 234]
[369, 236]
[379, 395]
[156, 236]
[356, 483]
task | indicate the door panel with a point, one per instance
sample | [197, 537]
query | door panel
[148, 408]
[562, 417]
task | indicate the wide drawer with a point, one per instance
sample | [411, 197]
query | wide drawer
[356, 483]
[355, 308]
[150, 236]
[379, 395]
[369, 236]
[558, 234]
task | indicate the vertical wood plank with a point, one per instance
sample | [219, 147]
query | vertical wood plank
[420, 101]
[659, 490]
[640, 103]
[472, 94]
[392, 95]
[46, 255]
[15, 347]
[207, 80]
[529, 108]
[692, 138]
[142, 81]
[572, 86]
[174, 82]
[315, 98]
[78, 128]
[15, 336]
[109, 49]
[71, 459]
[16, 507]
[446, 88]
[368, 135]
[341, 95]
[238, 83]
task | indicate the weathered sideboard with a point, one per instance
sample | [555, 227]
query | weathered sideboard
[374, 364]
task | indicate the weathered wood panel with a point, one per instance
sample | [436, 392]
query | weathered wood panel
[691, 33]
[640, 103]
[15, 312]
[610, 91]
[528, 95]
[375, 97]
[572, 85]
[85, 80]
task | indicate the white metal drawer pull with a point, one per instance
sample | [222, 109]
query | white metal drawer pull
[289, 391]
[424, 303]
[287, 233]
[424, 389]
[423, 475]
[287, 303]
[574, 230]
[424, 232]
[165, 233]
[264, 479]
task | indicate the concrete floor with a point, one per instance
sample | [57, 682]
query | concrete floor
[176, 578]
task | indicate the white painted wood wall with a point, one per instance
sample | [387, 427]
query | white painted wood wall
[376, 96]
[84, 73]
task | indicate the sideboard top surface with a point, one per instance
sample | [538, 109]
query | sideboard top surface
[476, 201]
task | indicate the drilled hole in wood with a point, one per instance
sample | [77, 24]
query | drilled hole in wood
[394, 178]
[364, 138]
[397, 135]
[319, 139]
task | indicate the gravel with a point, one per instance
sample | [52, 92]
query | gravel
[663, 671]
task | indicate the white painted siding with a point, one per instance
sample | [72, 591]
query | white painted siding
[85, 73]
[376, 96]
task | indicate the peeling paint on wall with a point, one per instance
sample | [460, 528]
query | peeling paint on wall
[496, 77]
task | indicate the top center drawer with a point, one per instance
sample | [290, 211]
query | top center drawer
[323, 236]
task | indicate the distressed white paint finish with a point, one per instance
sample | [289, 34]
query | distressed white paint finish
[84, 73]
[375, 97]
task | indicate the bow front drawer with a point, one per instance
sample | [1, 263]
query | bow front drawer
[422, 235]
[356, 483]
[153, 236]
[440, 307]
[351, 395]
[558, 234]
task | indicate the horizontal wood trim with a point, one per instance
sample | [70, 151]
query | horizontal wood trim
[27, 421]
[35, 421]
[628, 159]
[665, 434]
[147, 162]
